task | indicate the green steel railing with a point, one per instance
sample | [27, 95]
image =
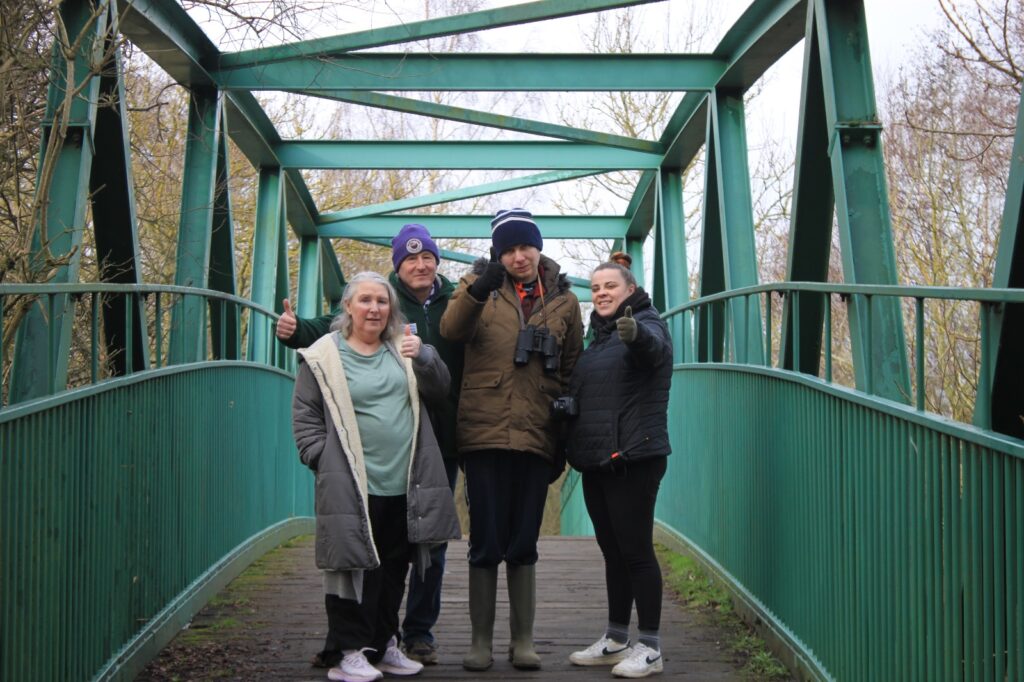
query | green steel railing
[684, 322]
[94, 360]
[127, 503]
[878, 540]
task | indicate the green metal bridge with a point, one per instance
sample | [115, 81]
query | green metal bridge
[877, 539]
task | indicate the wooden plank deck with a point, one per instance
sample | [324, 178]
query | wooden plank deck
[269, 623]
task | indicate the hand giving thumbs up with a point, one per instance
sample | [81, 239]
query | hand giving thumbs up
[626, 326]
[286, 324]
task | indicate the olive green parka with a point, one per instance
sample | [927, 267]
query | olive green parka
[504, 406]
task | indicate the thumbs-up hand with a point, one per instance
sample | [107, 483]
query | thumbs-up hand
[286, 324]
[626, 326]
[410, 346]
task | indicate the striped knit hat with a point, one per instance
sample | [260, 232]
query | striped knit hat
[512, 227]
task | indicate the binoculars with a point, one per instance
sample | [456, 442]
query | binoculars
[535, 339]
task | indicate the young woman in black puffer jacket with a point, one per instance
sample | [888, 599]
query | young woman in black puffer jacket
[619, 441]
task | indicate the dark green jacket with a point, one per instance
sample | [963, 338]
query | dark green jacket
[428, 328]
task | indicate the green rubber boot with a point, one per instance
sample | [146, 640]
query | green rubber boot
[522, 605]
[483, 589]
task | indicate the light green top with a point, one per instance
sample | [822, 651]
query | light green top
[380, 397]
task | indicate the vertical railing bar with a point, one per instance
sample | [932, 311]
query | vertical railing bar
[711, 332]
[248, 332]
[728, 322]
[948, 555]
[1000, 602]
[239, 353]
[828, 337]
[51, 342]
[223, 335]
[988, 551]
[868, 339]
[95, 337]
[746, 329]
[795, 330]
[933, 589]
[1, 348]
[129, 302]
[919, 350]
[974, 577]
[685, 345]
[158, 330]
[271, 350]
[983, 401]
[961, 582]
[1018, 576]
[768, 329]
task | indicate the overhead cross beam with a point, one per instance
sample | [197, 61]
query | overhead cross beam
[470, 192]
[474, 226]
[423, 30]
[461, 155]
[483, 118]
[480, 72]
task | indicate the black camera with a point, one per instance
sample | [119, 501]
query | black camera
[564, 407]
[535, 339]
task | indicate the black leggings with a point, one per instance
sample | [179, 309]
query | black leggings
[621, 506]
[372, 621]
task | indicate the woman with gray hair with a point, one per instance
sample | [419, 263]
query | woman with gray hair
[382, 496]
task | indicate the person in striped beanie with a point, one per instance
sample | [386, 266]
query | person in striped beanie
[523, 331]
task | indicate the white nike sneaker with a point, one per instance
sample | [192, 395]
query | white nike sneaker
[395, 662]
[605, 651]
[642, 662]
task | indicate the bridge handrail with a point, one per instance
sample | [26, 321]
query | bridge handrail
[990, 300]
[980, 294]
[222, 346]
[43, 289]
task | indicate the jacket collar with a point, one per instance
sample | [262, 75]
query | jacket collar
[554, 281]
[442, 285]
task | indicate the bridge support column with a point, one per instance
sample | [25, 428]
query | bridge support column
[308, 298]
[1006, 405]
[671, 234]
[112, 191]
[731, 263]
[40, 361]
[861, 195]
[265, 259]
[192, 268]
[810, 232]
[225, 326]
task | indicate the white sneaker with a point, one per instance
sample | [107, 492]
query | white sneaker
[354, 668]
[642, 661]
[605, 651]
[397, 663]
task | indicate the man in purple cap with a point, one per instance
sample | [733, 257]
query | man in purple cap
[423, 296]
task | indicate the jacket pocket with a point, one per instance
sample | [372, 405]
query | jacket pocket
[481, 380]
[479, 404]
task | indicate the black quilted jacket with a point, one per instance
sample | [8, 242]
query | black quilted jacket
[622, 391]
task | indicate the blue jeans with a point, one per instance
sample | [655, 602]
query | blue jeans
[423, 605]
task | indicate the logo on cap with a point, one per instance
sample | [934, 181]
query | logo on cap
[414, 245]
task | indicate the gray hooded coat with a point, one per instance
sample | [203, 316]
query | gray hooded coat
[327, 437]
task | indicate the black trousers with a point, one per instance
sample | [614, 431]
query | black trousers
[374, 620]
[506, 490]
[621, 506]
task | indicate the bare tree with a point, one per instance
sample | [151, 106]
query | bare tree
[950, 117]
